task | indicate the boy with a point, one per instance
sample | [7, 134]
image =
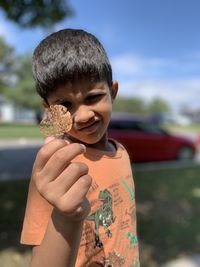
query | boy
[81, 205]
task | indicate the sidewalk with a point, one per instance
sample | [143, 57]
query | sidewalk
[21, 142]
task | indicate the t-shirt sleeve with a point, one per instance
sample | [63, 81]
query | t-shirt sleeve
[37, 215]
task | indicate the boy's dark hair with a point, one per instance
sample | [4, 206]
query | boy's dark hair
[67, 56]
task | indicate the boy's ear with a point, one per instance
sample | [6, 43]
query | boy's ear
[114, 90]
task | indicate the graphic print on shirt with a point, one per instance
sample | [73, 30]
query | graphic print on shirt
[114, 259]
[129, 189]
[111, 221]
[103, 216]
[132, 238]
[131, 213]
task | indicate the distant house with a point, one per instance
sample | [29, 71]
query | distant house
[10, 113]
[7, 112]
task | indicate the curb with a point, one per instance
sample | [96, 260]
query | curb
[21, 142]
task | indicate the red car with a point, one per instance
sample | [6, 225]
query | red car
[146, 141]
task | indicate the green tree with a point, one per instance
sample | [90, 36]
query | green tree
[135, 105]
[32, 13]
[7, 58]
[158, 105]
[23, 93]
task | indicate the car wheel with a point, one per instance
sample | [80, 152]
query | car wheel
[185, 153]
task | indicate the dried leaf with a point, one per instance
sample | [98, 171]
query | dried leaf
[57, 121]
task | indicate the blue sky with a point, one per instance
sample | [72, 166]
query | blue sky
[153, 45]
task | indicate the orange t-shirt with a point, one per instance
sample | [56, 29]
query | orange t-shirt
[109, 235]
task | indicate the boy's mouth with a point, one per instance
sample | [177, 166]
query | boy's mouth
[89, 128]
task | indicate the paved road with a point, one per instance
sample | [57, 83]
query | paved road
[17, 157]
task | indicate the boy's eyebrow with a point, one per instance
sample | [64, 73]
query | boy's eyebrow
[96, 91]
[98, 86]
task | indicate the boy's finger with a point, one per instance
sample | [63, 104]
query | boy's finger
[49, 139]
[50, 146]
[68, 177]
[61, 159]
[75, 195]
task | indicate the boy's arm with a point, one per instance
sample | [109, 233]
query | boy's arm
[64, 185]
[60, 244]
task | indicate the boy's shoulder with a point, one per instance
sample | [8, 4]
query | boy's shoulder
[94, 156]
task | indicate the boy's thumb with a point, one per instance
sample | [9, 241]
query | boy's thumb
[49, 139]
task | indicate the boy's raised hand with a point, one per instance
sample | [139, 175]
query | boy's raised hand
[64, 184]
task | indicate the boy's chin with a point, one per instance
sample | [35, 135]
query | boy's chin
[92, 140]
[76, 140]
[88, 142]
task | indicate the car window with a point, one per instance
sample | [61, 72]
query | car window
[149, 128]
[124, 125]
[137, 126]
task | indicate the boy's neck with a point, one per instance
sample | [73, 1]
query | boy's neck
[108, 146]
[103, 145]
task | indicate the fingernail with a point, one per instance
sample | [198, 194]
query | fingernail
[84, 148]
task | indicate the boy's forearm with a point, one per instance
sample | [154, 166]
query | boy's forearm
[60, 244]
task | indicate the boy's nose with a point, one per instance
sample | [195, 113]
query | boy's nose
[83, 114]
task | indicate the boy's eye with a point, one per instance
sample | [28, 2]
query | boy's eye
[93, 98]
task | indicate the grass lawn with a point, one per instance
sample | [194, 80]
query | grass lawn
[191, 129]
[168, 214]
[12, 204]
[167, 209]
[12, 131]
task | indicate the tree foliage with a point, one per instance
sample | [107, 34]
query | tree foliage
[136, 105]
[140, 106]
[32, 13]
[23, 92]
[158, 105]
[6, 64]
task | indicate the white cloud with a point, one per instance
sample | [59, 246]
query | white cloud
[134, 65]
[127, 66]
[175, 92]
[170, 79]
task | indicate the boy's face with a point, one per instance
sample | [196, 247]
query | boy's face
[90, 106]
